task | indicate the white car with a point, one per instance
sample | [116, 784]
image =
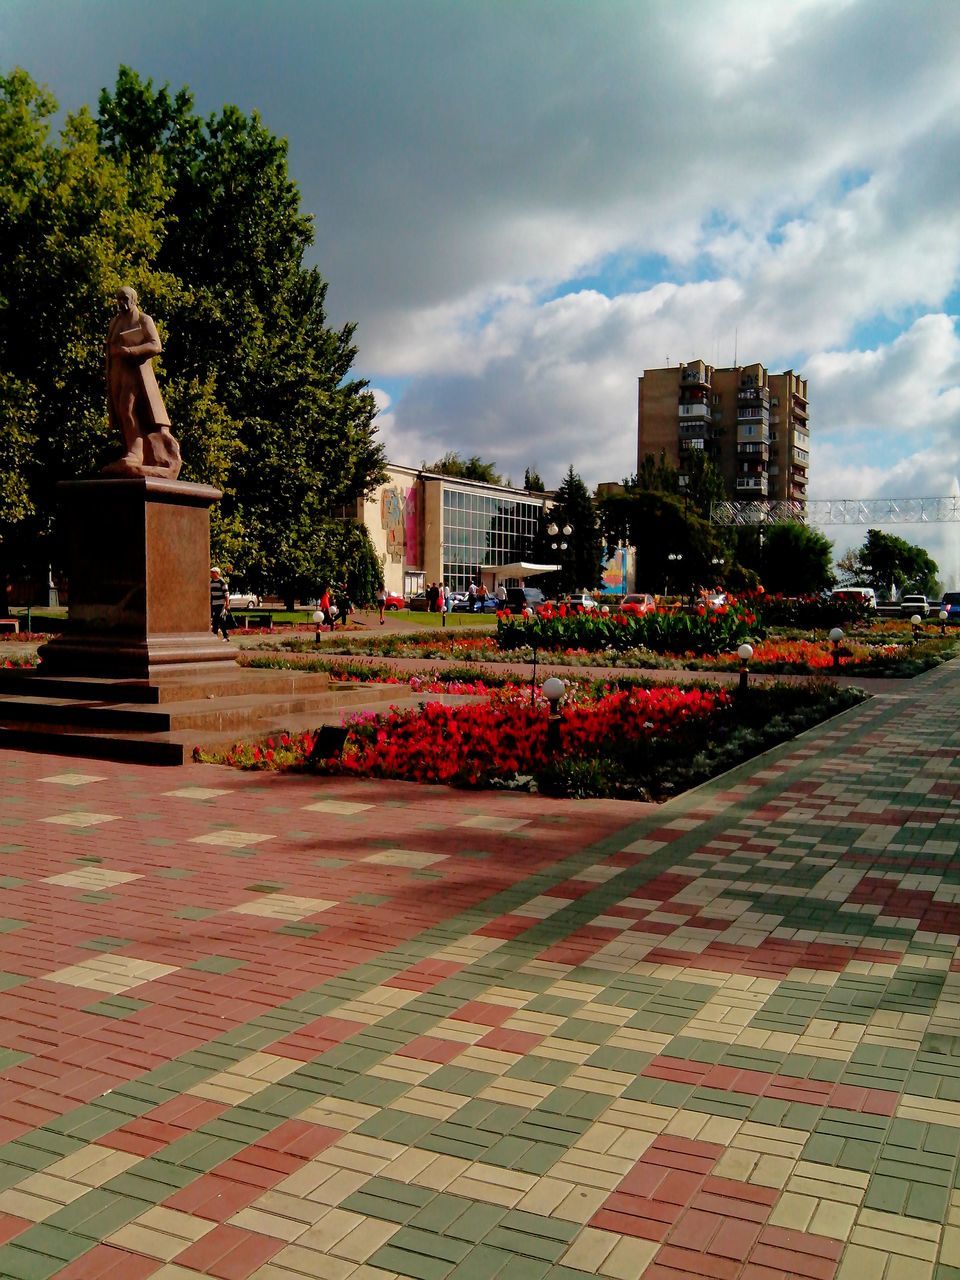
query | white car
[909, 605]
[243, 600]
[581, 600]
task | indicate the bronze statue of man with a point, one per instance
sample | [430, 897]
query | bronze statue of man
[133, 397]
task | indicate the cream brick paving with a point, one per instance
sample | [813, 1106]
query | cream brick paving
[115, 974]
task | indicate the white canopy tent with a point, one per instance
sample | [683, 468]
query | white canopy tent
[491, 574]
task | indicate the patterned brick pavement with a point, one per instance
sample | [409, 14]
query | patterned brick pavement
[286, 1027]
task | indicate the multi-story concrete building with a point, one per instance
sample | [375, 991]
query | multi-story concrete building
[751, 424]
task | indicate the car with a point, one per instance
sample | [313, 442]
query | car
[911, 604]
[639, 602]
[950, 605]
[419, 603]
[243, 600]
[394, 601]
[580, 600]
[865, 596]
[520, 598]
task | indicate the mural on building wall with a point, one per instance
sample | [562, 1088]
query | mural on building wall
[614, 580]
[398, 519]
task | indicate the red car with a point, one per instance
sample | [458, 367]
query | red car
[640, 603]
[395, 601]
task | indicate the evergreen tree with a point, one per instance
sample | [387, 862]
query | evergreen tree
[581, 563]
[532, 482]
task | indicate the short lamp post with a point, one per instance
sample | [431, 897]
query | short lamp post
[553, 691]
[318, 625]
[916, 622]
[527, 615]
[943, 621]
[744, 653]
[836, 635]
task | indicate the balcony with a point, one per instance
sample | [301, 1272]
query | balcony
[752, 413]
[746, 394]
[752, 484]
[693, 376]
[692, 442]
[800, 457]
[749, 450]
[698, 409]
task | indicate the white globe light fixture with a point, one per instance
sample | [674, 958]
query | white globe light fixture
[836, 635]
[553, 691]
[317, 622]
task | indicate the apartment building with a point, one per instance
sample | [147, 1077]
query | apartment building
[751, 424]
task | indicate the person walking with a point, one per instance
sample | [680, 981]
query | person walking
[324, 607]
[381, 600]
[219, 604]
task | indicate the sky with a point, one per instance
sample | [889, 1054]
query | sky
[524, 203]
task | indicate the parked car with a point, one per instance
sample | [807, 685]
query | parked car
[909, 605]
[641, 602]
[462, 602]
[855, 595]
[580, 600]
[520, 598]
[243, 600]
[950, 605]
[419, 603]
[394, 601]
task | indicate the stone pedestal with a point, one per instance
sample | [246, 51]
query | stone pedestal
[139, 575]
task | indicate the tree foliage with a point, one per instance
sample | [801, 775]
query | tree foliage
[472, 468]
[795, 560]
[532, 482]
[668, 524]
[888, 563]
[581, 562]
[202, 218]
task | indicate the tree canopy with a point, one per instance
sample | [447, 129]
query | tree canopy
[795, 559]
[668, 524]
[888, 563]
[203, 219]
[582, 558]
[472, 468]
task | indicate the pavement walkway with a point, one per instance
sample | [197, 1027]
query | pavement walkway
[287, 1027]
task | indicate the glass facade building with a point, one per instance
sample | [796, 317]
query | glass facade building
[482, 529]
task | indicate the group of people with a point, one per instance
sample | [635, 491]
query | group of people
[334, 603]
[438, 597]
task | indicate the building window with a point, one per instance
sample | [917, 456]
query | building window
[483, 529]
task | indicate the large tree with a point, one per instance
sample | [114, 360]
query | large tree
[668, 524]
[795, 560]
[581, 559]
[888, 564]
[201, 216]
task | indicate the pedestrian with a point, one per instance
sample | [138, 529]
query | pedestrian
[442, 602]
[381, 599]
[219, 604]
[324, 607]
[344, 607]
[472, 596]
[446, 596]
[501, 597]
[481, 597]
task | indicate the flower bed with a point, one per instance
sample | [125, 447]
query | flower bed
[704, 631]
[632, 742]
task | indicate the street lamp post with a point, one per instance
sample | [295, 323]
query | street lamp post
[836, 635]
[674, 558]
[560, 542]
[318, 623]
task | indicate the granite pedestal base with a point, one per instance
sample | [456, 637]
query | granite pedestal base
[139, 579]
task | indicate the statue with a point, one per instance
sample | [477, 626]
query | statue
[133, 397]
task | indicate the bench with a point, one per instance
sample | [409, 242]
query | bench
[10, 624]
[260, 619]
